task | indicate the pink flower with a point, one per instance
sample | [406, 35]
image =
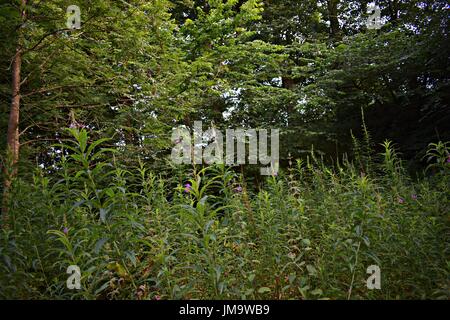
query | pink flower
[157, 297]
[414, 196]
[401, 200]
[187, 188]
[238, 189]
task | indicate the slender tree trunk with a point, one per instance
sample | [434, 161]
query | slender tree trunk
[334, 21]
[289, 83]
[12, 138]
[364, 7]
[393, 9]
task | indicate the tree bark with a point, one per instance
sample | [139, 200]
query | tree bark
[334, 21]
[12, 138]
[393, 10]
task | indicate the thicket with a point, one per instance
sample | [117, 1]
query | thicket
[205, 232]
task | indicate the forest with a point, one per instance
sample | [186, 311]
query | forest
[224, 149]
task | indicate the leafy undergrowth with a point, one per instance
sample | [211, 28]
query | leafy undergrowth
[308, 233]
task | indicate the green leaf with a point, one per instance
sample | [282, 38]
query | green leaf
[103, 213]
[99, 244]
[311, 269]
[264, 290]
[317, 292]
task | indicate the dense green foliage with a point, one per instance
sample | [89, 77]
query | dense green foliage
[92, 184]
[137, 68]
[308, 233]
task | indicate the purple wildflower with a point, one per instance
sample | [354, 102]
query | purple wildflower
[187, 188]
[66, 230]
[157, 298]
[238, 189]
[414, 196]
[448, 159]
[401, 200]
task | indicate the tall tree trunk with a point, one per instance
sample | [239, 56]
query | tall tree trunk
[12, 138]
[334, 21]
[393, 10]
